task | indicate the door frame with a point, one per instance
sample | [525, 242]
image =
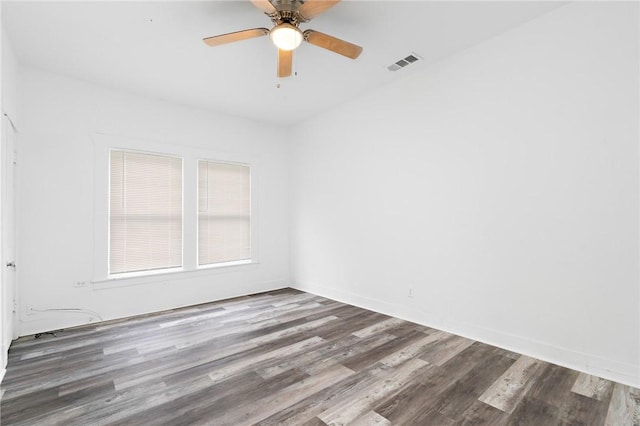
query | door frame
[8, 281]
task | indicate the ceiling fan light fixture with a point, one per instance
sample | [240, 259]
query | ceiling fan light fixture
[286, 36]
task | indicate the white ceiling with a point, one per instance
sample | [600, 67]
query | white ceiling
[155, 48]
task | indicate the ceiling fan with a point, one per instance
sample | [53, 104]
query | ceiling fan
[287, 15]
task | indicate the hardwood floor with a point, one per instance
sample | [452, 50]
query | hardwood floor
[292, 358]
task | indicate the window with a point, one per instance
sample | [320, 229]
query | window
[224, 213]
[145, 212]
[171, 209]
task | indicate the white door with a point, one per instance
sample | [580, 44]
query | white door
[8, 235]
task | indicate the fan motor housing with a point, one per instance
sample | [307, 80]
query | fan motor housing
[286, 5]
[287, 12]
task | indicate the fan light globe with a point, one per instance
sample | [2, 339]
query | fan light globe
[286, 36]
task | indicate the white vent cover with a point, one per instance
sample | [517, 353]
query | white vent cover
[408, 60]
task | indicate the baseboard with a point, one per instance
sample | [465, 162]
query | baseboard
[616, 371]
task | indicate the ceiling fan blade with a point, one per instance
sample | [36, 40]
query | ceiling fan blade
[333, 44]
[265, 6]
[312, 8]
[285, 62]
[236, 36]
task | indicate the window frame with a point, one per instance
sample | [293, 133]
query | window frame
[149, 271]
[190, 154]
[251, 223]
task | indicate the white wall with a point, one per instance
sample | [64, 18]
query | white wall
[9, 99]
[56, 200]
[500, 185]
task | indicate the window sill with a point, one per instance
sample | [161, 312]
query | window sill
[125, 275]
[153, 277]
[225, 264]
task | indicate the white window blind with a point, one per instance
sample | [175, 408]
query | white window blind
[145, 216]
[224, 212]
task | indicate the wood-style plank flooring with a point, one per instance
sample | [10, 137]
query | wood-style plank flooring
[292, 358]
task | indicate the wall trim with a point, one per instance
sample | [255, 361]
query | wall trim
[616, 371]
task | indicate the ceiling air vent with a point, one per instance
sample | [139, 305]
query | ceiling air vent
[404, 62]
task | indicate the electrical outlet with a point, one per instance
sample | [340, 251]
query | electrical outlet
[410, 292]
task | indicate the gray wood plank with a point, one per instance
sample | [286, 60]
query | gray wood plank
[371, 419]
[378, 327]
[349, 411]
[624, 408]
[430, 392]
[413, 350]
[271, 404]
[446, 349]
[312, 406]
[480, 413]
[512, 386]
[242, 364]
[591, 386]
